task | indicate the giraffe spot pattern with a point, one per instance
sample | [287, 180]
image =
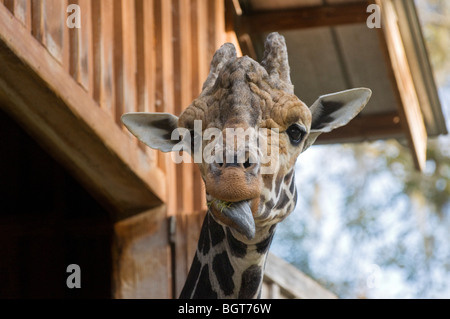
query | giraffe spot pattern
[295, 196]
[287, 178]
[204, 240]
[292, 186]
[224, 272]
[251, 280]
[216, 231]
[204, 289]
[263, 246]
[269, 205]
[282, 201]
[278, 181]
[191, 278]
[237, 248]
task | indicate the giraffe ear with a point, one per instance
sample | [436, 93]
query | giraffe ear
[335, 110]
[153, 129]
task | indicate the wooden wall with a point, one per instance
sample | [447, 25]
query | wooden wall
[138, 55]
[135, 55]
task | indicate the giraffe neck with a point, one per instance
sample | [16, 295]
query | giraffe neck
[225, 266]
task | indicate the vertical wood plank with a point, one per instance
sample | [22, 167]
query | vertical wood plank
[21, 10]
[182, 34]
[118, 59]
[81, 47]
[129, 63]
[36, 19]
[220, 30]
[140, 56]
[149, 47]
[105, 65]
[66, 38]
[150, 64]
[199, 18]
[202, 41]
[211, 27]
[168, 97]
[145, 86]
[183, 94]
[96, 49]
[74, 36]
[164, 93]
[53, 22]
[86, 47]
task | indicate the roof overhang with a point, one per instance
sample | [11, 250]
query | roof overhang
[331, 48]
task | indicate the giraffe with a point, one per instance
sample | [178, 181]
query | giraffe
[244, 204]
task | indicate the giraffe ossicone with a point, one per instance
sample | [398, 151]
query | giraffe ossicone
[245, 201]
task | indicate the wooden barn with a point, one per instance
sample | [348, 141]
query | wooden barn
[77, 188]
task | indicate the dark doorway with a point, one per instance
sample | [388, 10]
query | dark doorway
[47, 222]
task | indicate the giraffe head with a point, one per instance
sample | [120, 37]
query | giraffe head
[245, 132]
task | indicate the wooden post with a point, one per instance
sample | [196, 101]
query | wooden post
[141, 256]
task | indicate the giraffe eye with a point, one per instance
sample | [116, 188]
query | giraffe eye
[296, 133]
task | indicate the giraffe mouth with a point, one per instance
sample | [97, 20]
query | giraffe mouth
[237, 215]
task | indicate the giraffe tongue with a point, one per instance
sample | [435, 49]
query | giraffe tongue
[241, 214]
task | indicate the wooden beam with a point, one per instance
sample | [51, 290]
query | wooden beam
[365, 128]
[410, 112]
[37, 91]
[421, 70]
[300, 18]
[293, 281]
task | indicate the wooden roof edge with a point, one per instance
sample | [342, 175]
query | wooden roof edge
[40, 95]
[421, 70]
[411, 115]
[293, 281]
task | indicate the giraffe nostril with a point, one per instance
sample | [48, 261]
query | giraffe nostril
[247, 163]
